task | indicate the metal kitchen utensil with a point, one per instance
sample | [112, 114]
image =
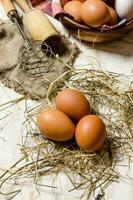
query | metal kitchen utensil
[39, 26]
[35, 58]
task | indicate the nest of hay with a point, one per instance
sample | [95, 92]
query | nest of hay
[111, 97]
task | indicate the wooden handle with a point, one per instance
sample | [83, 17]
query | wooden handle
[23, 5]
[7, 5]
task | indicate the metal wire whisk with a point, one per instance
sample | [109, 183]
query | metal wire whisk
[35, 58]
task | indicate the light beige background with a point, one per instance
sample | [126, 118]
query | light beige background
[116, 56]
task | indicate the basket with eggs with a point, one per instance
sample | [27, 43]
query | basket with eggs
[97, 20]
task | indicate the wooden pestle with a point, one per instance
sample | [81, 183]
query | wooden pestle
[39, 26]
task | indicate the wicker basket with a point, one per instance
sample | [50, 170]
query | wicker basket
[86, 33]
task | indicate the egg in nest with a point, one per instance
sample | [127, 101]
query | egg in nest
[73, 103]
[55, 125]
[90, 133]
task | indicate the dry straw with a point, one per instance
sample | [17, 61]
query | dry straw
[111, 97]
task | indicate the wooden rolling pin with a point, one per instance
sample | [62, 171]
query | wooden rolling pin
[39, 26]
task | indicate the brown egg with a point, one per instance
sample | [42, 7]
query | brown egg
[73, 103]
[55, 125]
[113, 16]
[80, 0]
[90, 133]
[63, 2]
[94, 13]
[73, 9]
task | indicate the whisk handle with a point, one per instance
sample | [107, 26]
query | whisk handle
[8, 6]
[23, 5]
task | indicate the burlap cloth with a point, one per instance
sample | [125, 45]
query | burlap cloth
[11, 73]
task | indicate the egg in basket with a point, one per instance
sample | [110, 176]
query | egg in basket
[97, 20]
